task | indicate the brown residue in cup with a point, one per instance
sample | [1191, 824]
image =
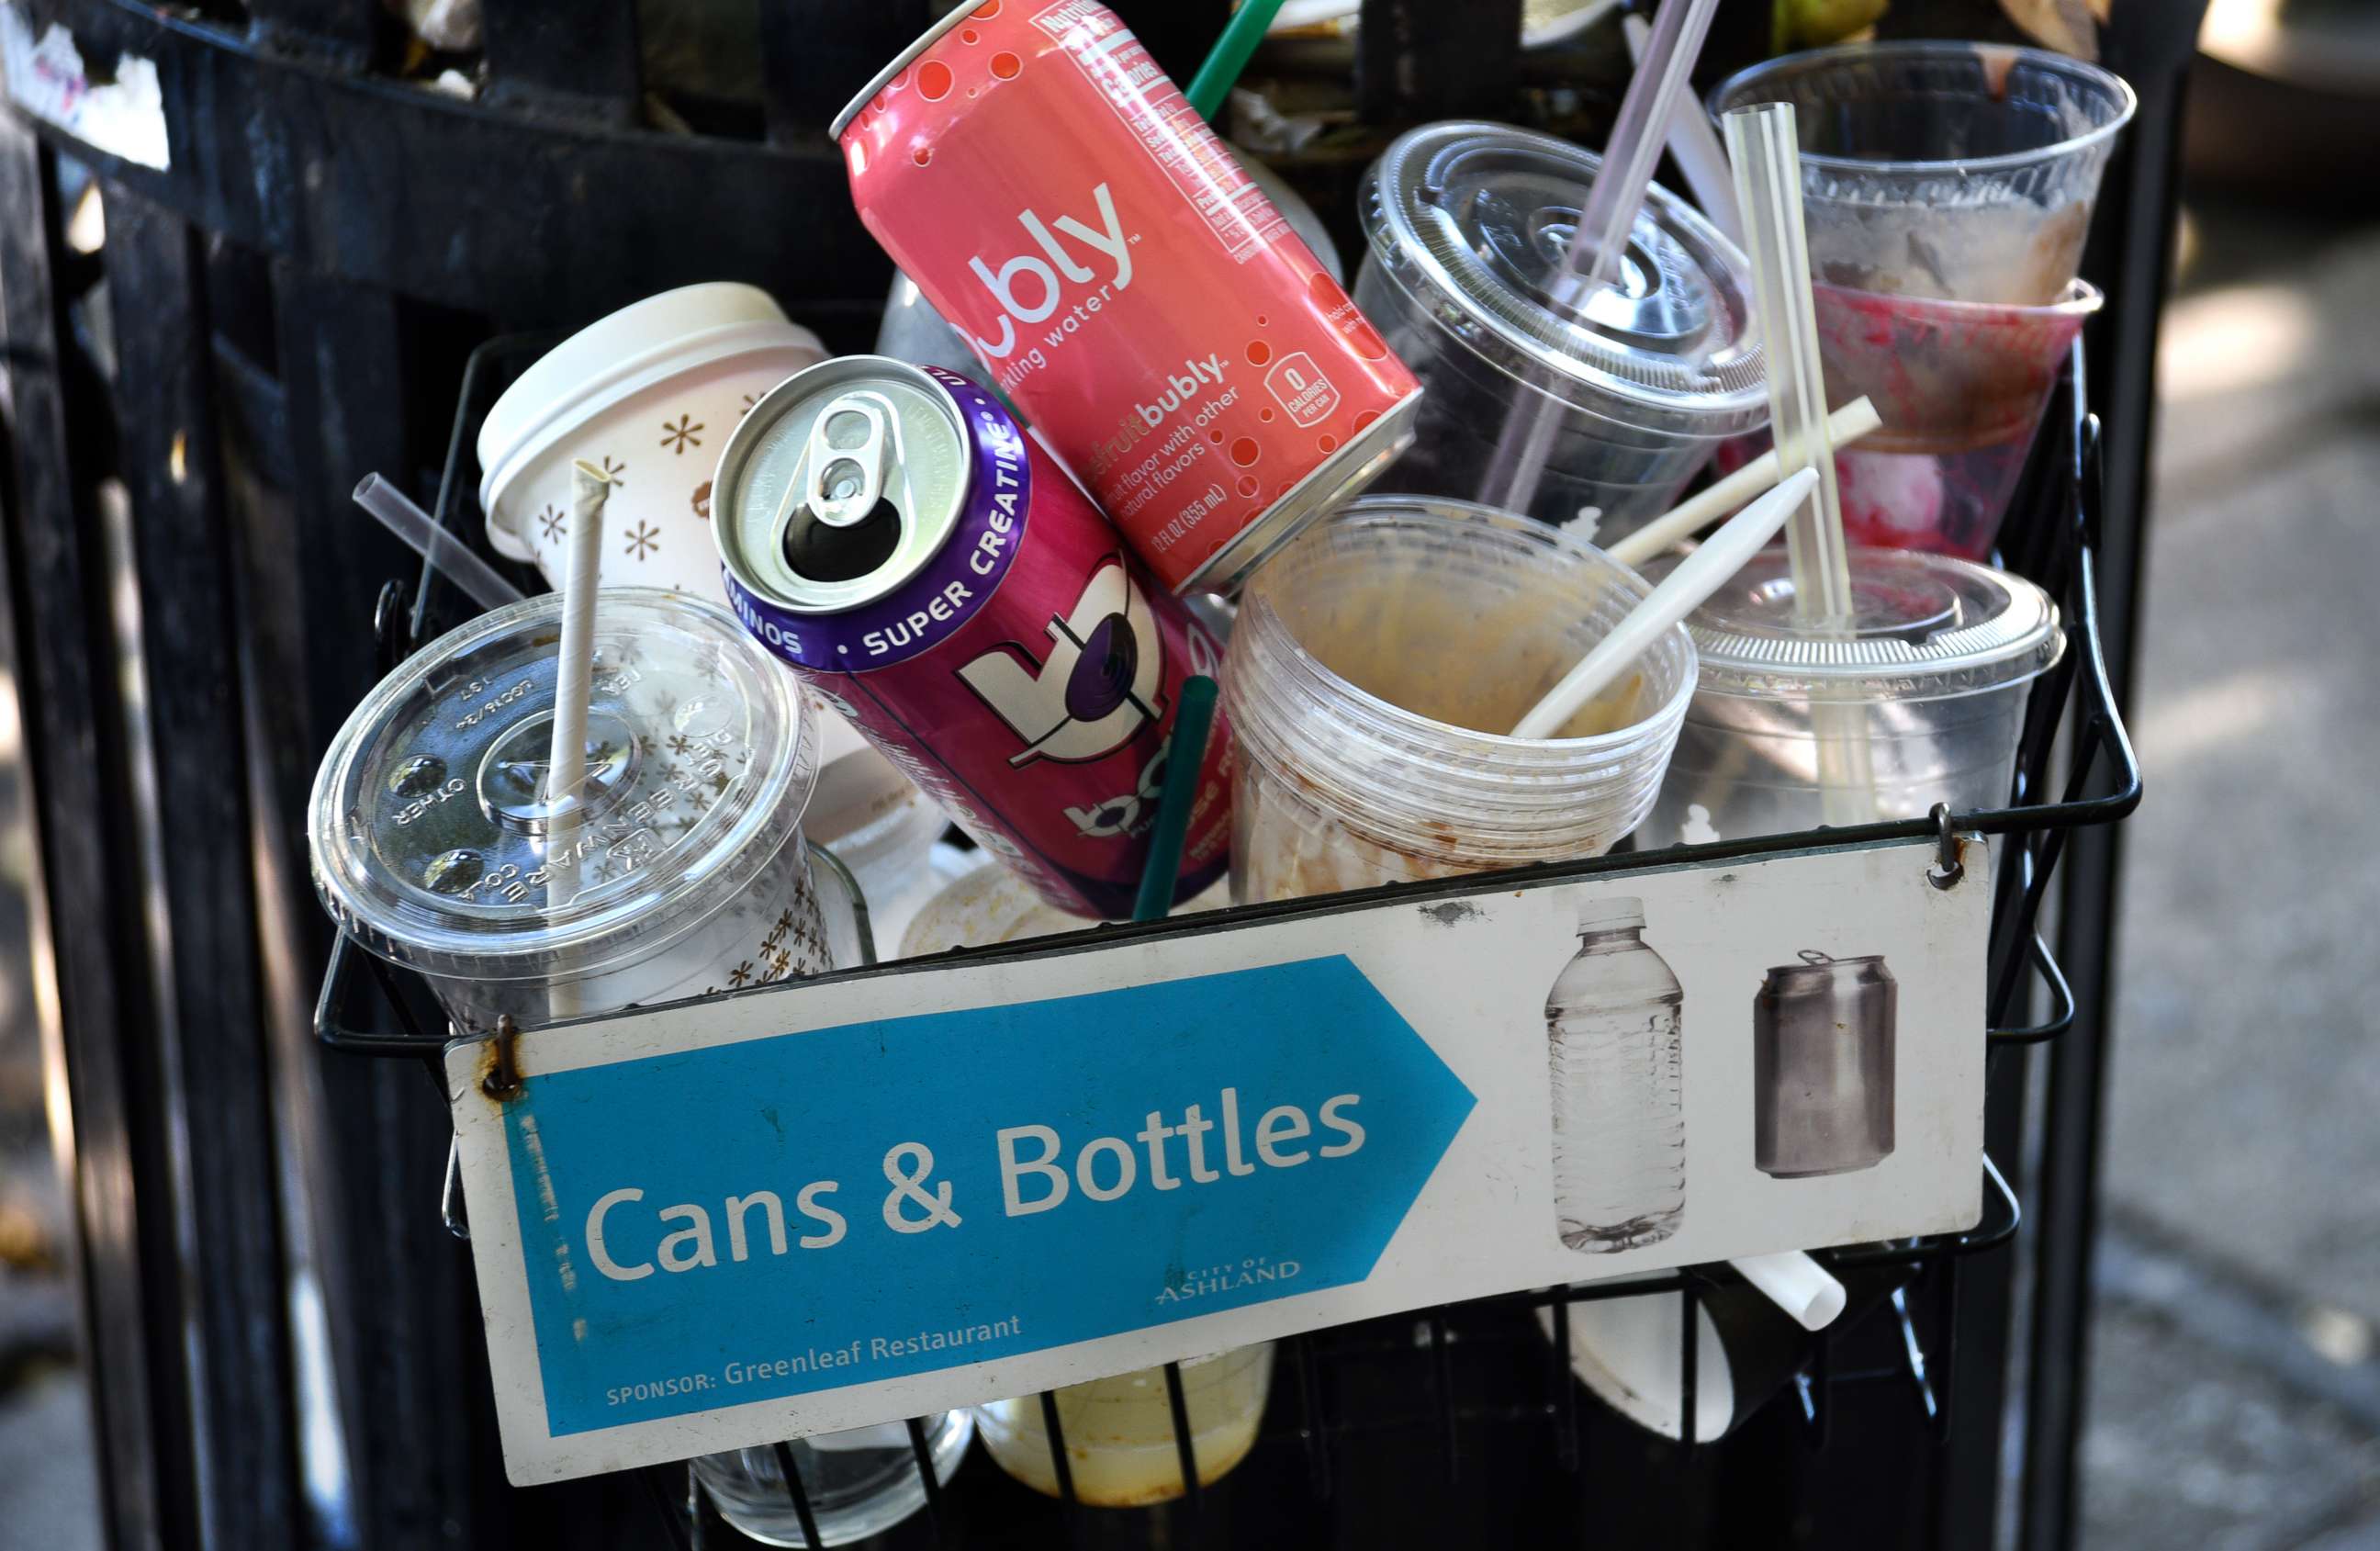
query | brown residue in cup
[1421, 648]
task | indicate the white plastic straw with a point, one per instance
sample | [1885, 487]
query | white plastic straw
[566, 765]
[1694, 144]
[1689, 516]
[1768, 159]
[422, 533]
[1696, 578]
[1807, 1291]
[1637, 136]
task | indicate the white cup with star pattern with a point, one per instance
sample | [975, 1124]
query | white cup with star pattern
[647, 394]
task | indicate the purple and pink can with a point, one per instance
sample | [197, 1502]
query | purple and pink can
[890, 531]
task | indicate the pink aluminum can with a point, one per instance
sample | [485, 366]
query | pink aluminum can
[889, 531]
[1133, 292]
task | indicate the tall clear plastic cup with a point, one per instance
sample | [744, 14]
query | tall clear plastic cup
[1956, 170]
[681, 871]
[1375, 659]
[1469, 226]
[1936, 664]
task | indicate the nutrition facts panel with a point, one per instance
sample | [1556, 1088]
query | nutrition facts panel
[1157, 112]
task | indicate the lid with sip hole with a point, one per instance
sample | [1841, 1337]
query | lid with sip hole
[433, 843]
[1475, 221]
[1923, 627]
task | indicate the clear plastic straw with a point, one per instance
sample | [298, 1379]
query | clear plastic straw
[1601, 239]
[451, 557]
[1634, 148]
[1768, 187]
[1767, 152]
[1694, 144]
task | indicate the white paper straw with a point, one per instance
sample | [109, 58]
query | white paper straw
[1700, 574]
[1807, 1291]
[1689, 516]
[566, 765]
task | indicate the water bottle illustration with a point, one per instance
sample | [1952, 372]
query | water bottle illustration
[1612, 1032]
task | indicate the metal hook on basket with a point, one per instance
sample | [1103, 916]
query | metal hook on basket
[504, 1083]
[1949, 867]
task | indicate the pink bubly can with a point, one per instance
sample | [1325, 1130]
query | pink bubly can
[1056, 198]
[889, 531]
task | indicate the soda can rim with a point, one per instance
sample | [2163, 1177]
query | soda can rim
[923, 542]
[900, 62]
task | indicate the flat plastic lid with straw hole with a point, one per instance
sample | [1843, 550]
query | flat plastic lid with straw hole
[433, 841]
[1473, 223]
[1925, 627]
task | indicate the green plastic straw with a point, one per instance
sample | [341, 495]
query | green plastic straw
[1182, 765]
[1230, 55]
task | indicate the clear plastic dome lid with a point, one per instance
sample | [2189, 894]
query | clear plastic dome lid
[1473, 222]
[1925, 627]
[434, 844]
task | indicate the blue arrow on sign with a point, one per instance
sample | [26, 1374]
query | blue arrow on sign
[780, 1216]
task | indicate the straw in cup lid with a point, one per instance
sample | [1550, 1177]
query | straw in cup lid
[1925, 627]
[434, 844]
[1475, 221]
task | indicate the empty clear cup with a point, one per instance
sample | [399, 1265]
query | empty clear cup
[1924, 699]
[683, 871]
[1469, 229]
[1119, 1432]
[1373, 663]
[1958, 170]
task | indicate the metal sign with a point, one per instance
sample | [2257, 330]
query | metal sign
[825, 1205]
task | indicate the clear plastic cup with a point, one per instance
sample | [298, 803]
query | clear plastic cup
[1958, 170]
[684, 871]
[1469, 228]
[1119, 1432]
[1930, 688]
[1372, 662]
[859, 1482]
[684, 874]
[1960, 386]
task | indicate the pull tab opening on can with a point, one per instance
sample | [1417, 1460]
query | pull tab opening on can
[841, 522]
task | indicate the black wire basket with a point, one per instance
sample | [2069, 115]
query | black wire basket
[1462, 1425]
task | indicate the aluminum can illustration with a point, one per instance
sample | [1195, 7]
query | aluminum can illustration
[1822, 1066]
